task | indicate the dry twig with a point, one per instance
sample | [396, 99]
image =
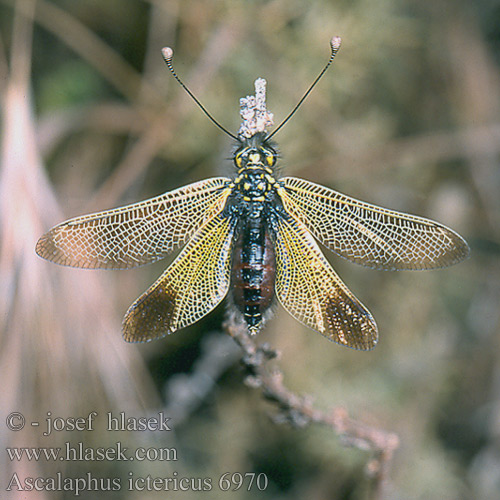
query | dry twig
[299, 411]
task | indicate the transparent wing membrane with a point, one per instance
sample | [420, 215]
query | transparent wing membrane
[136, 234]
[189, 289]
[370, 235]
[310, 290]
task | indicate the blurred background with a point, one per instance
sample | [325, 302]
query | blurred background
[407, 117]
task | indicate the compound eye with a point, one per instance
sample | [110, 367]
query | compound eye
[240, 158]
[271, 157]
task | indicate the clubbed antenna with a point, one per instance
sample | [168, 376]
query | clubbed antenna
[253, 110]
[168, 54]
[334, 47]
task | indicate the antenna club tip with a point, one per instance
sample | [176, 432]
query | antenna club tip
[335, 43]
[167, 53]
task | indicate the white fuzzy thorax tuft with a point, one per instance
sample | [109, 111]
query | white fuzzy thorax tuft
[253, 110]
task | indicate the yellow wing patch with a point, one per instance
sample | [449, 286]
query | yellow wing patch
[370, 235]
[189, 289]
[310, 290]
[136, 234]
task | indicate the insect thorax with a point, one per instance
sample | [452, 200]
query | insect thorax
[255, 160]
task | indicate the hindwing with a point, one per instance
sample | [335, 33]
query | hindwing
[310, 290]
[190, 288]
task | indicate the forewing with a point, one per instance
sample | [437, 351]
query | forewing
[189, 289]
[136, 234]
[371, 235]
[310, 290]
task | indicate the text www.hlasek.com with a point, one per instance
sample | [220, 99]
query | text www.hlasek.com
[88, 454]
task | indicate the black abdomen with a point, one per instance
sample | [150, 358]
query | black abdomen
[253, 272]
